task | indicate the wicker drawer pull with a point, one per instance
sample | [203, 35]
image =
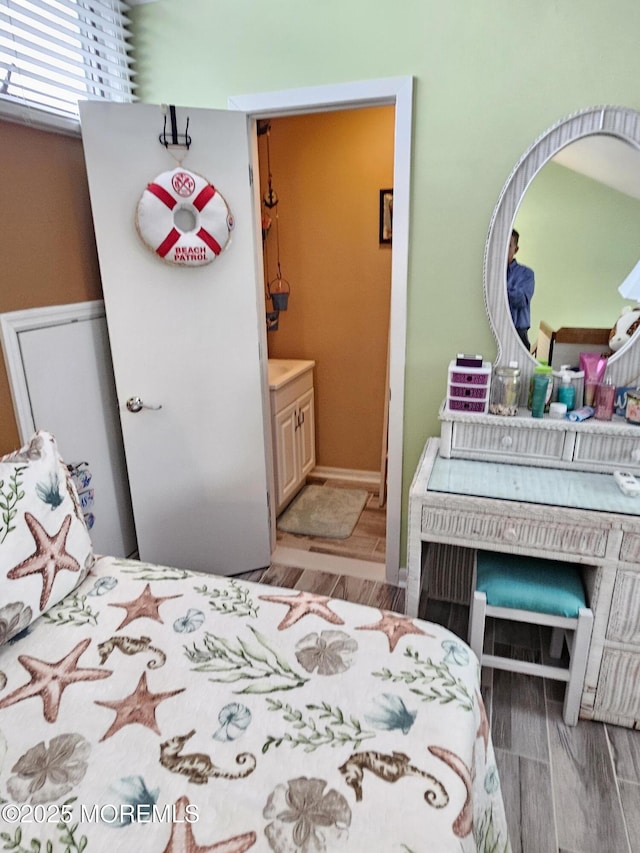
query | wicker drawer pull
[510, 534]
[506, 441]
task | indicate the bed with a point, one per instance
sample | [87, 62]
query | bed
[151, 708]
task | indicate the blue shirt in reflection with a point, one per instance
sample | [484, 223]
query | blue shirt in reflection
[520, 286]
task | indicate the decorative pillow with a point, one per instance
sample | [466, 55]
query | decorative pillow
[45, 548]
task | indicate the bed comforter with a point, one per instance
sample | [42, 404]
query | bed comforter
[155, 709]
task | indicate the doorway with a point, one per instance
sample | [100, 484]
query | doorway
[321, 179]
[397, 92]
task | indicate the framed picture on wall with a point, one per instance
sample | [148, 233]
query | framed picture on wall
[386, 216]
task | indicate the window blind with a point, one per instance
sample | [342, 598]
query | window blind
[54, 53]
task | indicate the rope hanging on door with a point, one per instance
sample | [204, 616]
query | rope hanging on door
[278, 289]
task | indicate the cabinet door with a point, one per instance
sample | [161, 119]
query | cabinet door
[306, 433]
[287, 465]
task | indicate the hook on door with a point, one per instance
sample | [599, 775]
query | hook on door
[177, 140]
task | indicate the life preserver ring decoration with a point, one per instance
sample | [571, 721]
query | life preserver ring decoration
[183, 218]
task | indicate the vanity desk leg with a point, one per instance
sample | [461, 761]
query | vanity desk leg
[414, 558]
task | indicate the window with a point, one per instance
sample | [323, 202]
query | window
[54, 53]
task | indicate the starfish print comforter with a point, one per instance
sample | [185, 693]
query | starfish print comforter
[156, 709]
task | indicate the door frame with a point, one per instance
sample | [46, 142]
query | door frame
[397, 92]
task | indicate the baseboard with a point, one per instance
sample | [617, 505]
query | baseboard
[368, 477]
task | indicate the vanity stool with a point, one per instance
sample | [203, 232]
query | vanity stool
[540, 592]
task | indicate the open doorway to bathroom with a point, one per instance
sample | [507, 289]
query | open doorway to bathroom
[322, 235]
[390, 91]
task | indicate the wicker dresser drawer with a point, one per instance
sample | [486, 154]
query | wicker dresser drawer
[614, 450]
[630, 550]
[544, 536]
[624, 618]
[617, 691]
[505, 441]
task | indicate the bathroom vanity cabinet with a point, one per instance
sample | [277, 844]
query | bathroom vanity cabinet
[292, 425]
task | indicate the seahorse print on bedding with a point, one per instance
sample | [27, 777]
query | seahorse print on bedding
[463, 824]
[197, 766]
[132, 646]
[390, 768]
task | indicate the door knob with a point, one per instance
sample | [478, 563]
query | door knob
[135, 404]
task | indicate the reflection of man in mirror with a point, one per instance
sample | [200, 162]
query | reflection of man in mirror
[520, 286]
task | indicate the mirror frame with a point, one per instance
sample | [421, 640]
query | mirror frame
[620, 122]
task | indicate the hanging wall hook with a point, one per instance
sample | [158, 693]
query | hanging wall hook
[176, 140]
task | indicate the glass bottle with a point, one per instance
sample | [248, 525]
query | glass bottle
[505, 390]
[605, 396]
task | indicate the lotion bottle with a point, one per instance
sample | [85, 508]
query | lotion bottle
[538, 399]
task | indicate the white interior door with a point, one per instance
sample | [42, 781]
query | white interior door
[188, 339]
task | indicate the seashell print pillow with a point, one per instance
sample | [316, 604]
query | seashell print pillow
[45, 548]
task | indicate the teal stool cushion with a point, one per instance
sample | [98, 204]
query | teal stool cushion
[529, 583]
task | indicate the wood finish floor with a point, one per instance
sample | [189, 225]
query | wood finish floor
[368, 540]
[566, 789]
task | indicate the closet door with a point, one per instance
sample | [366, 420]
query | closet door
[186, 343]
[59, 367]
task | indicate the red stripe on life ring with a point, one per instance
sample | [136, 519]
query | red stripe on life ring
[168, 243]
[211, 241]
[164, 196]
[204, 197]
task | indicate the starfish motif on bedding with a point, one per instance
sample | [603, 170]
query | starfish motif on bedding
[394, 626]
[49, 680]
[144, 605]
[139, 707]
[182, 840]
[303, 604]
[49, 558]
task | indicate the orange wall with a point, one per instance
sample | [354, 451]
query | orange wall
[328, 170]
[46, 234]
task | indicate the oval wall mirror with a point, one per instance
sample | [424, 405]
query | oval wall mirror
[577, 234]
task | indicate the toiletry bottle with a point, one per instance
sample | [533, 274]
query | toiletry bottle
[540, 388]
[605, 396]
[545, 370]
[566, 392]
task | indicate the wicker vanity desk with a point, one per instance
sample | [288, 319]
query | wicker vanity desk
[553, 513]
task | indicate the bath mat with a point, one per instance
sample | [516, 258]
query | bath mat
[323, 511]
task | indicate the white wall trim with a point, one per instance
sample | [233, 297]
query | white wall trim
[396, 91]
[14, 322]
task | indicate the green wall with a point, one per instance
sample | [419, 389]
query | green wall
[490, 78]
[581, 239]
